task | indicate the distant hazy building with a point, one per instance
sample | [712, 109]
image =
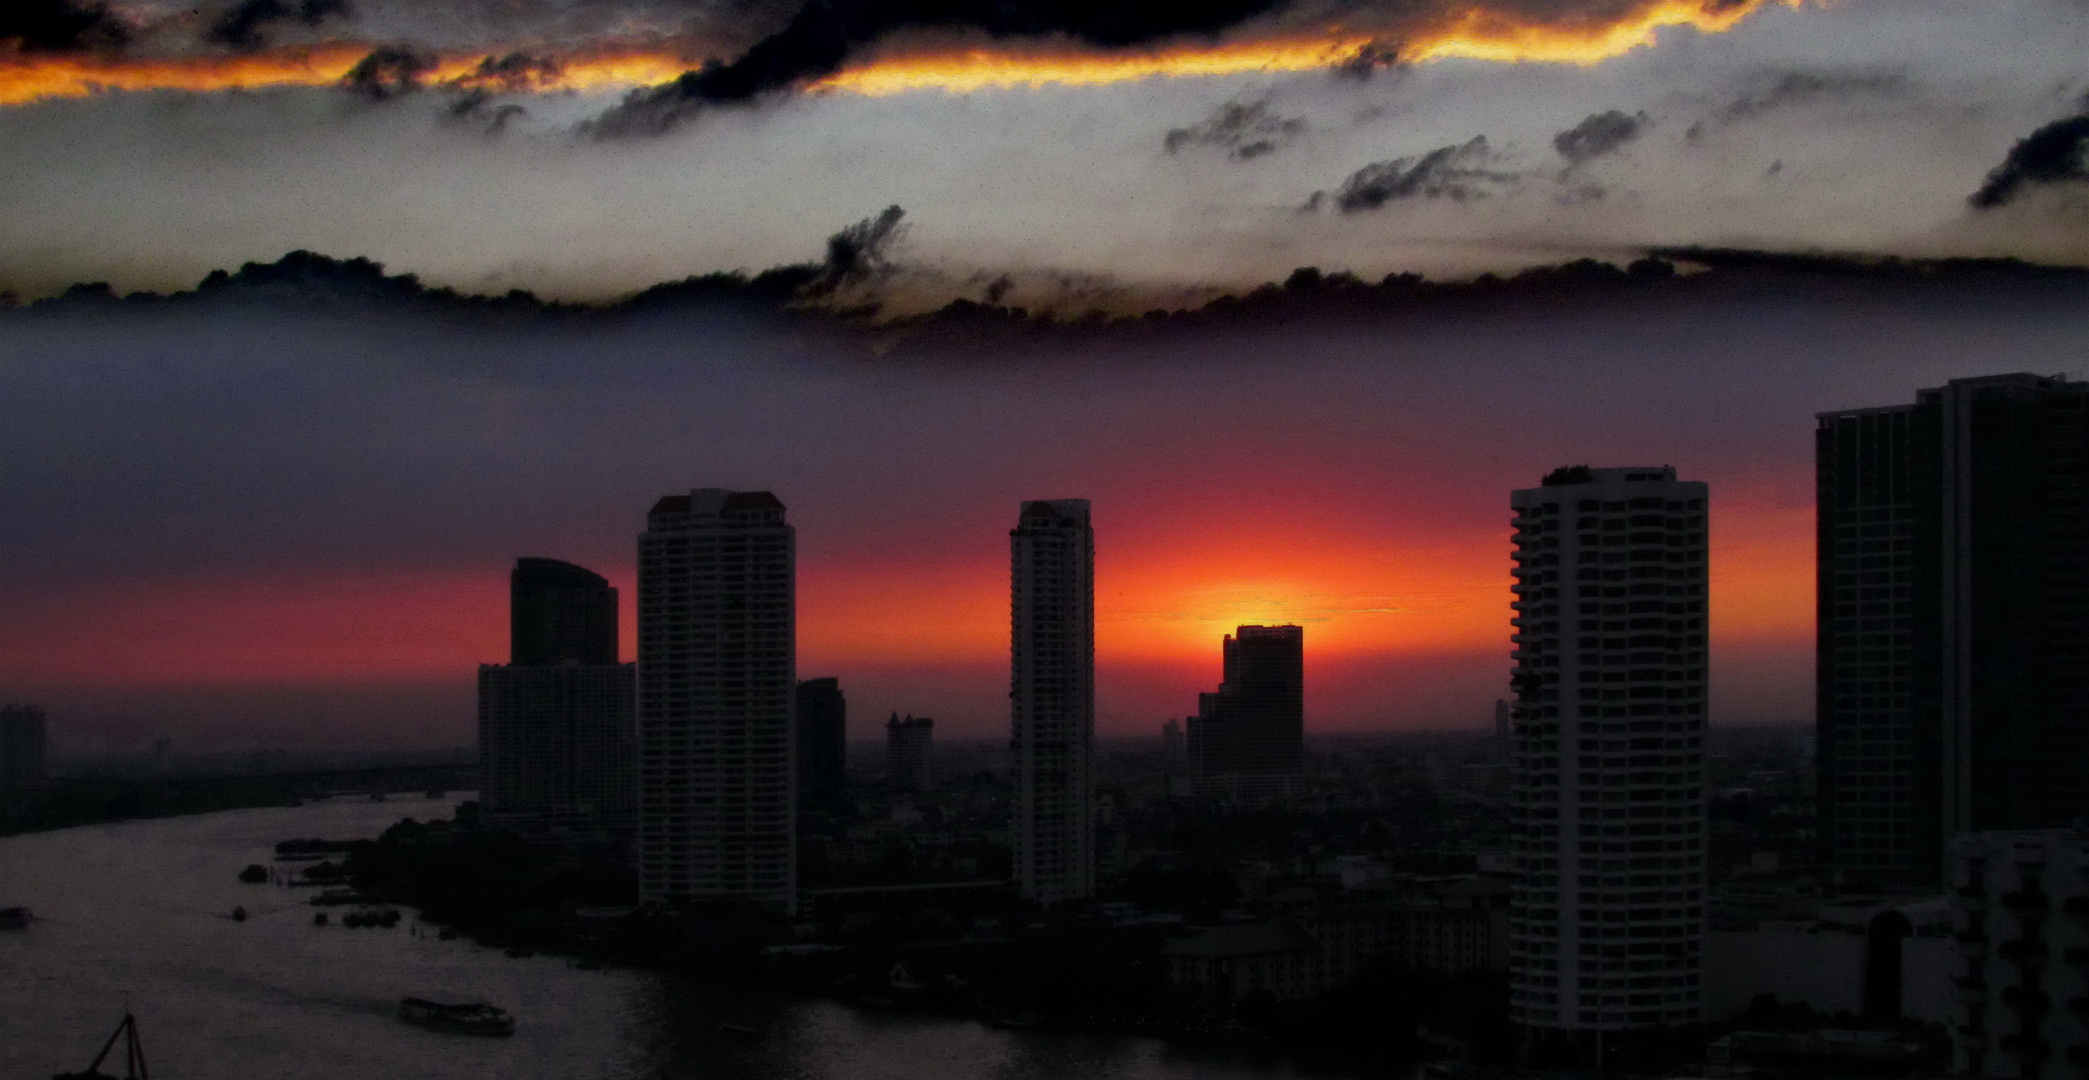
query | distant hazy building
[1608, 819]
[716, 677]
[1052, 699]
[909, 751]
[1173, 749]
[2023, 933]
[1247, 739]
[556, 723]
[823, 744]
[22, 740]
[1504, 738]
[1953, 621]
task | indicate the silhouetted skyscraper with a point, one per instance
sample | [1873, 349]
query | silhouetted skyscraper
[22, 740]
[717, 644]
[1052, 699]
[823, 744]
[910, 751]
[1607, 818]
[556, 724]
[1173, 748]
[559, 612]
[1953, 622]
[1248, 738]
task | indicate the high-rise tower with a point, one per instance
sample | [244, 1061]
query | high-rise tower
[559, 612]
[555, 723]
[1953, 621]
[910, 747]
[1608, 814]
[716, 675]
[1052, 699]
[823, 745]
[1248, 738]
[21, 746]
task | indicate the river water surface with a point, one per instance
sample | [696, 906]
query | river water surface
[139, 912]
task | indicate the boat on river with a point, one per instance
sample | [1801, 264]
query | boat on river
[133, 1056]
[13, 918]
[457, 1016]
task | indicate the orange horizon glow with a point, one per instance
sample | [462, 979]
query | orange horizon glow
[1162, 606]
[1474, 34]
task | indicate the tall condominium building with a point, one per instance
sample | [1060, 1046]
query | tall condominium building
[21, 746]
[1052, 699]
[2022, 912]
[560, 613]
[1248, 738]
[909, 750]
[823, 745]
[1953, 621]
[555, 723]
[716, 678]
[1608, 814]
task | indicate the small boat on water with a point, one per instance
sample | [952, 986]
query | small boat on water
[457, 1016]
[13, 918]
[740, 1031]
[133, 1056]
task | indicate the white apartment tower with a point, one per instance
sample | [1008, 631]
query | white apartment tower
[1608, 815]
[1052, 699]
[716, 675]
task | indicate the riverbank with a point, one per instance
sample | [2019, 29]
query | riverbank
[70, 802]
[140, 910]
[957, 953]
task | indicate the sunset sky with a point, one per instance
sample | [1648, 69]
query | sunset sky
[258, 523]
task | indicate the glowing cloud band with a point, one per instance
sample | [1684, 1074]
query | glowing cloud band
[1476, 35]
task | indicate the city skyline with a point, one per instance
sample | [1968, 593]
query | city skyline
[1393, 577]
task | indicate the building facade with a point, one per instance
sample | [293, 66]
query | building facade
[1447, 927]
[910, 752]
[716, 678]
[2022, 977]
[556, 723]
[560, 613]
[1052, 699]
[22, 742]
[1953, 621]
[823, 745]
[1608, 813]
[1248, 738]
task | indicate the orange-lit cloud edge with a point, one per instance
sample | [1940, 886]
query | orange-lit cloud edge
[1475, 34]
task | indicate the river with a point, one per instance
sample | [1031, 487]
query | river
[139, 912]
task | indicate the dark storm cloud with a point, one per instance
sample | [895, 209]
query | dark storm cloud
[478, 91]
[1600, 134]
[1373, 58]
[514, 73]
[58, 26]
[820, 37]
[865, 246]
[244, 26]
[1245, 130]
[2056, 153]
[1785, 89]
[388, 72]
[1450, 172]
